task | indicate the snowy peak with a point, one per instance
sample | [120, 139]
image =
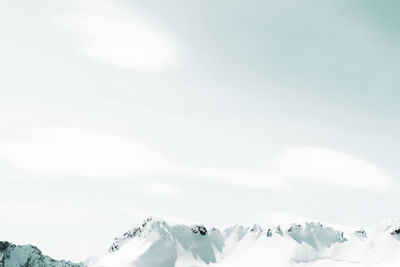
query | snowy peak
[315, 234]
[312, 233]
[391, 226]
[170, 244]
[149, 225]
[28, 256]
[152, 226]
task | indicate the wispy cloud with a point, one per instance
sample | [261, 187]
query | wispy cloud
[242, 177]
[60, 151]
[76, 152]
[330, 167]
[106, 34]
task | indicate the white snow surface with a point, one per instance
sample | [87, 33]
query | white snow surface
[310, 244]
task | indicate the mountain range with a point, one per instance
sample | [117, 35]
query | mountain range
[156, 243]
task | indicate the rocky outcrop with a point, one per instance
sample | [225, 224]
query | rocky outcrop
[396, 232]
[362, 234]
[199, 229]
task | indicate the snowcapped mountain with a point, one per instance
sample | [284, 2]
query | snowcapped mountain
[28, 256]
[158, 244]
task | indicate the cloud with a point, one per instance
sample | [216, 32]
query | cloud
[75, 152]
[58, 151]
[109, 36]
[61, 151]
[243, 177]
[330, 167]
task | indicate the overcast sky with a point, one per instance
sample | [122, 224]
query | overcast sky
[217, 112]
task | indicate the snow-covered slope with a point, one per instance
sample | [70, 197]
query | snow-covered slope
[158, 244]
[28, 256]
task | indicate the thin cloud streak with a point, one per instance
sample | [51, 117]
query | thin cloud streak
[330, 167]
[61, 151]
[112, 38]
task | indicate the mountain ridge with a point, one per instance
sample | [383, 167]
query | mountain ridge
[12, 255]
[156, 243]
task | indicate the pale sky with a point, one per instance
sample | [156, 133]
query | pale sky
[215, 112]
